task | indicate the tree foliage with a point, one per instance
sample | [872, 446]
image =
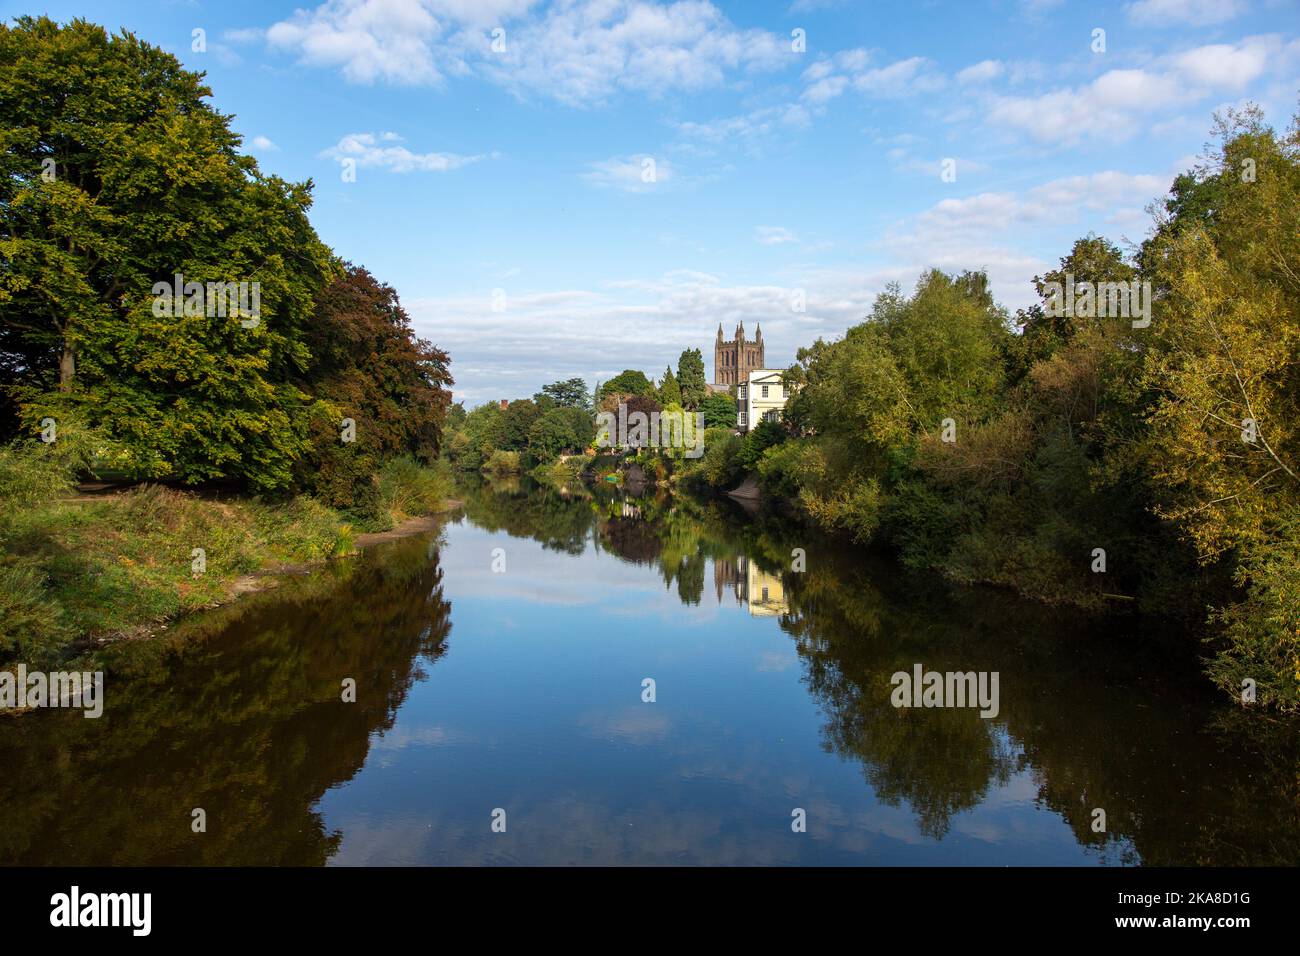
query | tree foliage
[119, 175]
[570, 393]
[669, 392]
[719, 411]
[629, 381]
[690, 378]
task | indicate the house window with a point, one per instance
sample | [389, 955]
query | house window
[765, 391]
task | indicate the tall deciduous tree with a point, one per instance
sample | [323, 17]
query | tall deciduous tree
[1225, 367]
[369, 366]
[118, 174]
[629, 381]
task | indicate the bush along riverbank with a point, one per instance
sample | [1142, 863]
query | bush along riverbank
[1145, 457]
[80, 571]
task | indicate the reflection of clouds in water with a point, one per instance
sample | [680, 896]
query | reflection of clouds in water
[397, 841]
[387, 749]
[572, 829]
[705, 782]
[401, 737]
[1000, 819]
[530, 573]
[1019, 790]
[567, 829]
[775, 661]
[642, 724]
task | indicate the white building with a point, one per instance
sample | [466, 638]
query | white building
[761, 396]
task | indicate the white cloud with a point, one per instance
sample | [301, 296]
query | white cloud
[263, 144]
[773, 235]
[994, 230]
[830, 76]
[365, 149]
[981, 72]
[1115, 106]
[577, 51]
[369, 40]
[826, 88]
[583, 51]
[1056, 201]
[1225, 66]
[634, 323]
[635, 174]
[750, 129]
[901, 78]
[1193, 12]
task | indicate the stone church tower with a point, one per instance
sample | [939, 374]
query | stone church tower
[733, 359]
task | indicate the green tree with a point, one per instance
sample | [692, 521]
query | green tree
[690, 378]
[516, 420]
[570, 393]
[629, 382]
[1224, 365]
[558, 431]
[117, 175]
[669, 393]
[719, 411]
[473, 444]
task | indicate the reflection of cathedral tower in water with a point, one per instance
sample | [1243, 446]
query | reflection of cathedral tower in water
[761, 591]
[726, 575]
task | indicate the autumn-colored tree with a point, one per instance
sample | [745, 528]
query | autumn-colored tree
[1225, 430]
[369, 366]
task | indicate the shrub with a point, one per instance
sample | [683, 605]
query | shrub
[760, 439]
[32, 627]
[408, 488]
[32, 472]
[503, 463]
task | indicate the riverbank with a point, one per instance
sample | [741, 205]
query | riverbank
[84, 572]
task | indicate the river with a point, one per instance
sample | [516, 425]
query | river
[503, 668]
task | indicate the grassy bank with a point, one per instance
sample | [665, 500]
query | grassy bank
[76, 571]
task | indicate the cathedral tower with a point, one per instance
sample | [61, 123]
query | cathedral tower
[734, 359]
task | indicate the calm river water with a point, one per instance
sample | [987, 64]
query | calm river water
[500, 667]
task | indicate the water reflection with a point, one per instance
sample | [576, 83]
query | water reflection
[775, 694]
[1182, 779]
[239, 713]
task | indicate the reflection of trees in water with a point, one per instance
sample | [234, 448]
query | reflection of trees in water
[524, 509]
[940, 761]
[660, 533]
[240, 713]
[1093, 724]
[1096, 727]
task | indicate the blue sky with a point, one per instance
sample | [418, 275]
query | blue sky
[503, 191]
